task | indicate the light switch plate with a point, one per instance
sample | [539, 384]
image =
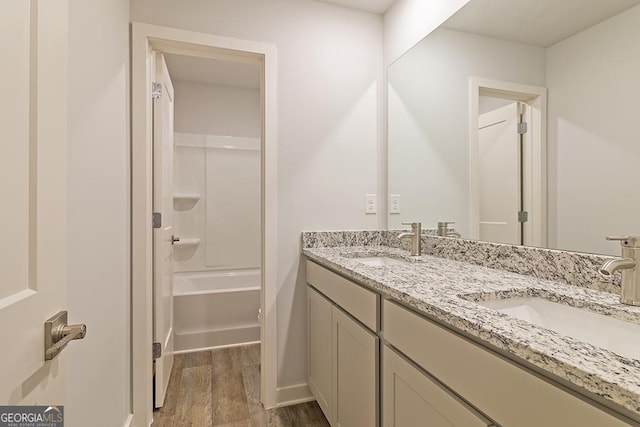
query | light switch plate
[370, 204]
[394, 203]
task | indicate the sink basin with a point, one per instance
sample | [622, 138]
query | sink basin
[379, 261]
[602, 331]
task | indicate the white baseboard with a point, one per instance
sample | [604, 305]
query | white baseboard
[292, 395]
[206, 340]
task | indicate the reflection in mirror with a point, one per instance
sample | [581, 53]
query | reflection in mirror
[569, 68]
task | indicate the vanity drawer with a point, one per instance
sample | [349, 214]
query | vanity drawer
[505, 392]
[359, 302]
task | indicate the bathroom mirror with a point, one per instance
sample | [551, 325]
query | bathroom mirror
[569, 69]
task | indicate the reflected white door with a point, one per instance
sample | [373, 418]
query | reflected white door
[33, 181]
[499, 175]
[163, 236]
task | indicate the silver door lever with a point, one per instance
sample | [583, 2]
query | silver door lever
[57, 334]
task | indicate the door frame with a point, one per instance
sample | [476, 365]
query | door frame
[145, 38]
[536, 98]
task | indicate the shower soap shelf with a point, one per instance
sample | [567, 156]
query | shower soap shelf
[185, 201]
[186, 243]
[186, 197]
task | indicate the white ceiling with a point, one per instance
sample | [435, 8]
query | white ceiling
[546, 21]
[213, 71]
[373, 6]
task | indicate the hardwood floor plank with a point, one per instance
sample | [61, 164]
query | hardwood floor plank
[308, 414]
[226, 381]
[200, 358]
[250, 355]
[229, 398]
[238, 424]
[194, 400]
[278, 417]
[251, 381]
[231, 413]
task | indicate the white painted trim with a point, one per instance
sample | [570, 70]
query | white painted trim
[293, 394]
[171, 40]
[536, 98]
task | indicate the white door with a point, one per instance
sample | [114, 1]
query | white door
[33, 180]
[163, 235]
[499, 175]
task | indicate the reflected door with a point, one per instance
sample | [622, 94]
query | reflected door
[500, 177]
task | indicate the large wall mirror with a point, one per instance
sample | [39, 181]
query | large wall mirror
[458, 146]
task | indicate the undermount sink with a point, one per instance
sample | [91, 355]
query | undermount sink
[602, 331]
[379, 261]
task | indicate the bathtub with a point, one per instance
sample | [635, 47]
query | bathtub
[215, 309]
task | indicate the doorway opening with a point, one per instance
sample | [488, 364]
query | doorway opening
[507, 162]
[219, 207]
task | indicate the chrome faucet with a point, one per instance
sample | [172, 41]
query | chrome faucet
[628, 267]
[415, 235]
[445, 231]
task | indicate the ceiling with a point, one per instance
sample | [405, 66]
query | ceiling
[547, 21]
[213, 71]
[373, 6]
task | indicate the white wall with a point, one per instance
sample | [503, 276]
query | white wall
[428, 119]
[407, 22]
[329, 114]
[98, 262]
[216, 110]
[593, 142]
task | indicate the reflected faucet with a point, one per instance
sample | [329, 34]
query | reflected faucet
[415, 235]
[445, 231]
[627, 265]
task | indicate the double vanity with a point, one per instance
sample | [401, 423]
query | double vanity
[401, 340]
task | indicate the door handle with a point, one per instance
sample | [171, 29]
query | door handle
[57, 334]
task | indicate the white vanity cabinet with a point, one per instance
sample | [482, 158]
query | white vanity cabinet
[426, 373]
[343, 348]
[503, 391]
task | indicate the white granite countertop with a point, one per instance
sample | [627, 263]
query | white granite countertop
[445, 290]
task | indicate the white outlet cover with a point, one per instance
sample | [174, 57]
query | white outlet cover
[394, 204]
[370, 204]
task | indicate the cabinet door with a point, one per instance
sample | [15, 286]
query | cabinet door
[410, 398]
[319, 349]
[355, 364]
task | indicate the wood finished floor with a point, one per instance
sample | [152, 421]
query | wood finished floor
[221, 388]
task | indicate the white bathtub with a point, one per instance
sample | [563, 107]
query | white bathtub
[215, 309]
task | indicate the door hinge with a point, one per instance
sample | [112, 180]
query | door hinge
[522, 128]
[157, 350]
[156, 90]
[523, 216]
[157, 220]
